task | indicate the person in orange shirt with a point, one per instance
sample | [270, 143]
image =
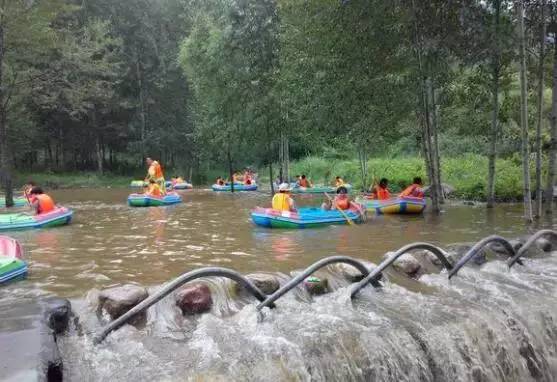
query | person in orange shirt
[304, 182]
[155, 173]
[415, 190]
[341, 200]
[40, 202]
[153, 189]
[381, 191]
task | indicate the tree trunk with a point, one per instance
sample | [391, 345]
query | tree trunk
[230, 169]
[142, 118]
[5, 164]
[539, 194]
[524, 116]
[495, 114]
[284, 157]
[435, 144]
[362, 156]
[551, 170]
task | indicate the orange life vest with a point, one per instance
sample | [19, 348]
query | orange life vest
[342, 203]
[156, 170]
[413, 190]
[382, 193]
[46, 204]
[154, 190]
[281, 202]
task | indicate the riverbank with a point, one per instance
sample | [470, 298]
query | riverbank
[72, 180]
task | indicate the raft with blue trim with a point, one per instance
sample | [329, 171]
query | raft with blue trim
[144, 200]
[305, 217]
[403, 206]
[12, 266]
[182, 186]
[19, 201]
[59, 216]
[317, 189]
[237, 187]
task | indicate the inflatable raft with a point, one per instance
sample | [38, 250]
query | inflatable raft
[306, 217]
[317, 189]
[182, 186]
[138, 183]
[144, 200]
[59, 216]
[406, 205]
[19, 201]
[12, 266]
[237, 187]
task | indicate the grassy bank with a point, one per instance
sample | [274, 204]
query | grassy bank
[467, 174]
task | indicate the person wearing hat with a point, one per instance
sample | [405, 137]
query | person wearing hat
[282, 201]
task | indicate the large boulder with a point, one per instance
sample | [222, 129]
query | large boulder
[406, 264]
[268, 283]
[57, 312]
[544, 244]
[316, 285]
[194, 299]
[351, 273]
[118, 300]
[457, 251]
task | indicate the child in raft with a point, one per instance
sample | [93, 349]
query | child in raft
[380, 191]
[340, 202]
[27, 189]
[40, 202]
[304, 182]
[339, 182]
[414, 190]
[153, 189]
[282, 201]
[220, 181]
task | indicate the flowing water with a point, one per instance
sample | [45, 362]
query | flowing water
[486, 324]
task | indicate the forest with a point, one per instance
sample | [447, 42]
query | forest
[211, 86]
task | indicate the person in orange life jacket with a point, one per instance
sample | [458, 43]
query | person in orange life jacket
[40, 202]
[341, 200]
[153, 189]
[155, 173]
[304, 182]
[414, 190]
[282, 201]
[380, 191]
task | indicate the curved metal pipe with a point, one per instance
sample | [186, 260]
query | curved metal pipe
[173, 285]
[308, 271]
[522, 250]
[478, 247]
[386, 263]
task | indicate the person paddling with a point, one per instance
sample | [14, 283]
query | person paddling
[415, 190]
[380, 191]
[40, 202]
[153, 189]
[282, 201]
[155, 173]
[341, 200]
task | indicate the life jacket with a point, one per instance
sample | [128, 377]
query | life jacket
[304, 183]
[155, 170]
[46, 204]
[281, 202]
[413, 190]
[382, 193]
[154, 190]
[342, 203]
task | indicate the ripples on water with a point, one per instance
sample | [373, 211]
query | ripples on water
[488, 324]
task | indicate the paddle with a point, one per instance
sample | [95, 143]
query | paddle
[350, 222]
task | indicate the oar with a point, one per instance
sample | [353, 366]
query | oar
[340, 210]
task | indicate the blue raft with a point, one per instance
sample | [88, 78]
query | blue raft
[144, 200]
[237, 187]
[305, 217]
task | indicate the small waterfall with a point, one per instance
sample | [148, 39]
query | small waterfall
[487, 324]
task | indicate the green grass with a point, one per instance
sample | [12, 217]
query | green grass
[72, 180]
[467, 174]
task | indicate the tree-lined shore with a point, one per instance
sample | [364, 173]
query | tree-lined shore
[205, 84]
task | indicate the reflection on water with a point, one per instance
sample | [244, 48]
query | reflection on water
[110, 243]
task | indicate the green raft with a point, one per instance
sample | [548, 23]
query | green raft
[317, 189]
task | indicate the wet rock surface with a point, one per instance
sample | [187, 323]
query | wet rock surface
[406, 264]
[194, 299]
[57, 312]
[267, 283]
[316, 285]
[118, 300]
[351, 273]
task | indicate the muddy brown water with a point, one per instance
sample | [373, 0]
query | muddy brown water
[110, 243]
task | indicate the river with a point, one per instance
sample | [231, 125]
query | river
[478, 327]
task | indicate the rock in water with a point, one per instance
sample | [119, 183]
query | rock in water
[351, 273]
[194, 299]
[316, 285]
[406, 264]
[544, 244]
[57, 314]
[118, 300]
[266, 282]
